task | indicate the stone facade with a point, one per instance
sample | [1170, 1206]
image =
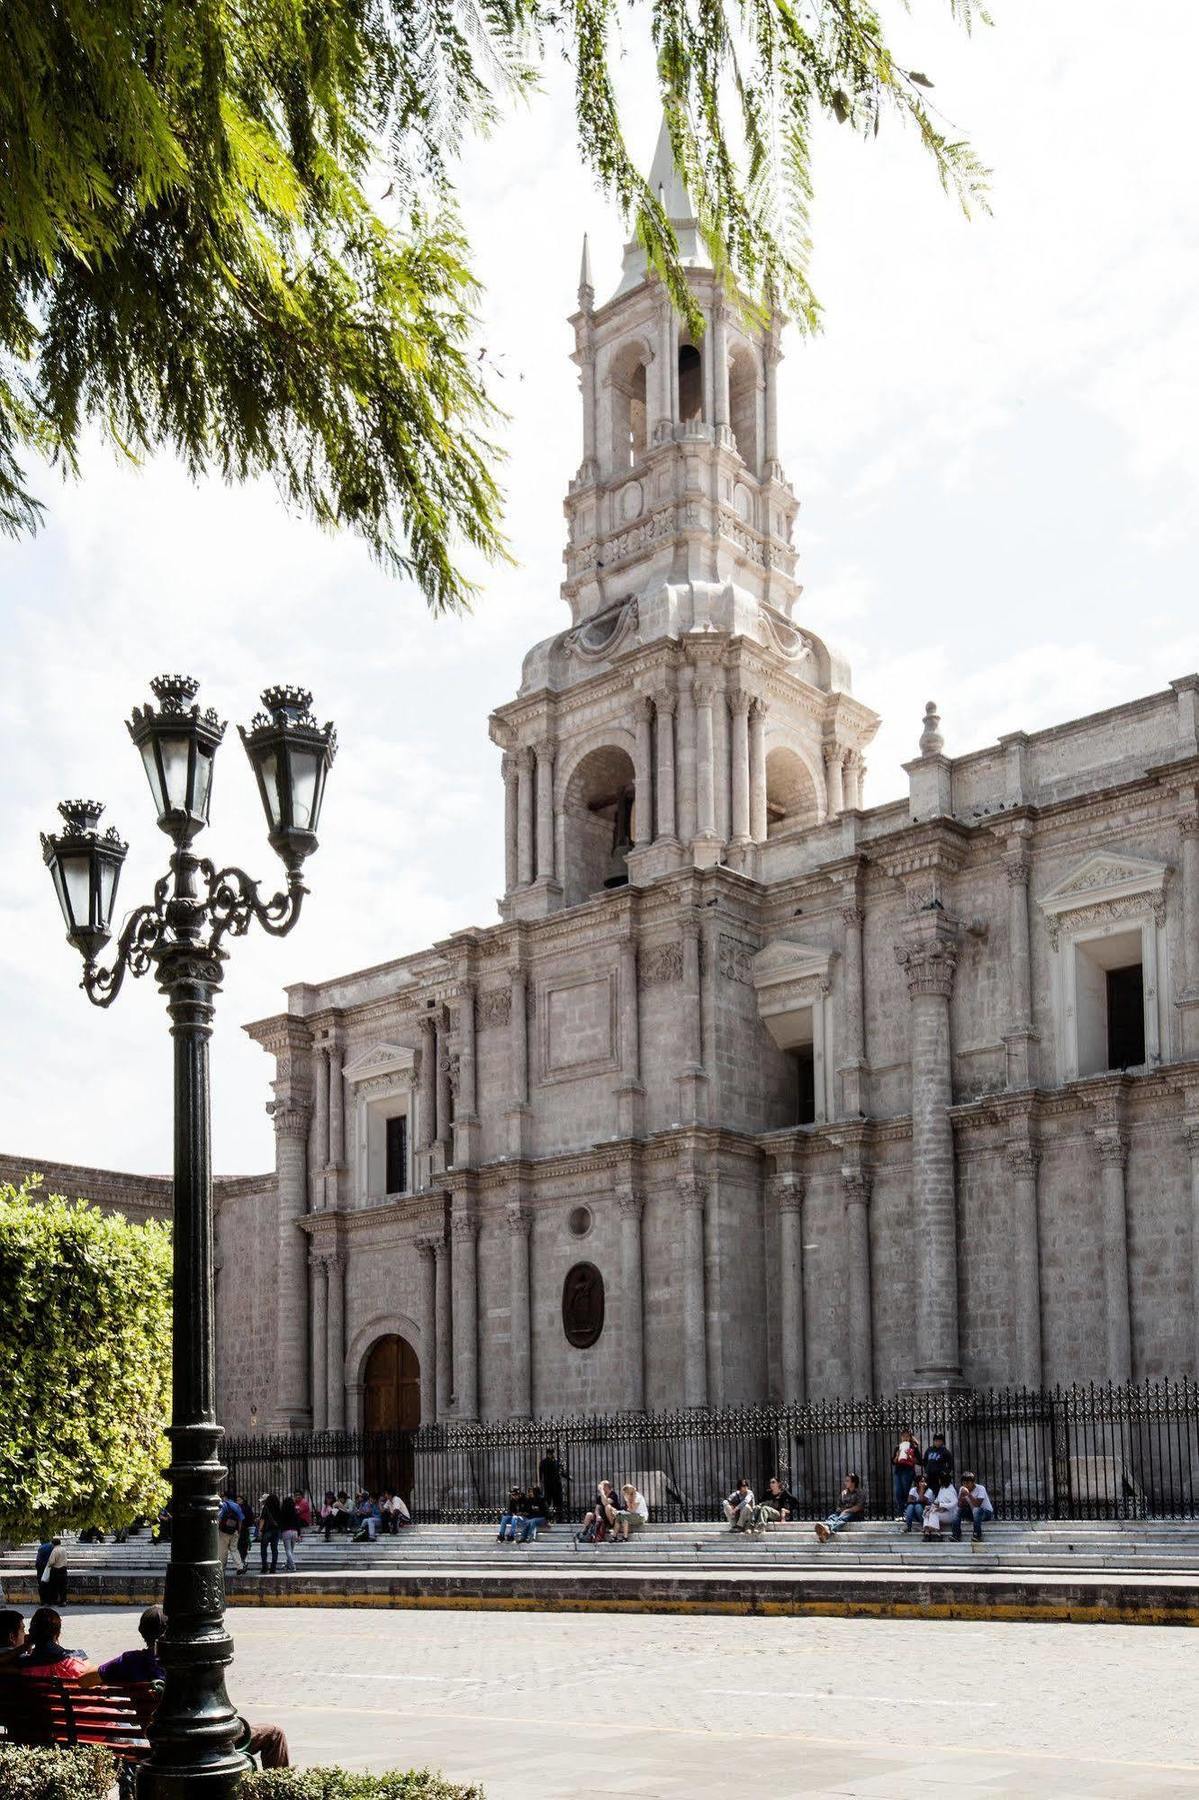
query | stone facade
[828, 1099]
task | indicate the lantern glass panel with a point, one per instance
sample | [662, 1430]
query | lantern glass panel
[304, 764]
[176, 755]
[150, 763]
[60, 889]
[77, 875]
[269, 776]
[203, 782]
[109, 870]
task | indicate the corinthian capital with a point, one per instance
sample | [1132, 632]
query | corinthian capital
[519, 1219]
[786, 1192]
[1112, 1149]
[855, 1184]
[692, 1192]
[631, 1203]
[290, 1116]
[929, 966]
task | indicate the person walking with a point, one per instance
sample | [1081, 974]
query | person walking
[270, 1529]
[904, 1460]
[228, 1529]
[289, 1531]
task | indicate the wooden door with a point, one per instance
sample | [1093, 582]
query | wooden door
[391, 1405]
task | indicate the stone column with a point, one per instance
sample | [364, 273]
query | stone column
[929, 959]
[833, 786]
[773, 357]
[518, 1025]
[692, 1196]
[853, 780]
[643, 764]
[320, 1087]
[663, 429]
[292, 1409]
[545, 810]
[337, 1108]
[319, 1277]
[632, 1301]
[468, 1098]
[335, 1362]
[585, 357]
[705, 761]
[853, 1070]
[443, 1347]
[521, 1325]
[855, 1184]
[739, 702]
[1192, 1143]
[789, 1193]
[630, 1020]
[466, 1313]
[1025, 1242]
[693, 993]
[665, 707]
[427, 1081]
[511, 853]
[1019, 1028]
[720, 353]
[1189, 827]
[443, 1083]
[426, 1248]
[524, 817]
[1113, 1154]
[687, 756]
[757, 770]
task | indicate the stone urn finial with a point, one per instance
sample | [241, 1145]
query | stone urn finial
[931, 741]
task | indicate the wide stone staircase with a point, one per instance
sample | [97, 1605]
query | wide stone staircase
[1102, 1548]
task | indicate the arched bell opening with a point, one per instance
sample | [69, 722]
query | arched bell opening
[691, 385]
[599, 823]
[791, 799]
[629, 418]
[743, 406]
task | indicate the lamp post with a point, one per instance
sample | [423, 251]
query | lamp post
[180, 935]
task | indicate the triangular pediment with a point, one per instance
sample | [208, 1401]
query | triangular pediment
[1105, 875]
[787, 959]
[380, 1059]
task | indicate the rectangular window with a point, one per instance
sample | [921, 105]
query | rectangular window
[1126, 1017]
[803, 1061]
[397, 1155]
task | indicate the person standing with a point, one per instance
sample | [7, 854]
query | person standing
[53, 1584]
[228, 1528]
[289, 1531]
[270, 1529]
[938, 1463]
[39, 1565]
[903, 1467]
[550, 1471]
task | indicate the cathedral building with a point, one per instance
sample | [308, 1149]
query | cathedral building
[754, 1092]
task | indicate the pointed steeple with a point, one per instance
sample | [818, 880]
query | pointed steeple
[586, 290]
[667, 182]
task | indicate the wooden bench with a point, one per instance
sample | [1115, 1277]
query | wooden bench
[44, 1710]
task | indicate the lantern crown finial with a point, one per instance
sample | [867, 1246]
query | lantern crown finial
[174, 692]
[81, 815]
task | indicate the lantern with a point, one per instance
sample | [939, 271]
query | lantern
[85, 868]
[291, 755]
[178, 744]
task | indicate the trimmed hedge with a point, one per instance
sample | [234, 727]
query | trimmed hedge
[353, 1784]
[50, 1774]
[59, 1774]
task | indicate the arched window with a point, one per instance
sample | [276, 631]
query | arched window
[791, 802]
[598, 822]
[691, 385]
[626, 381]
[743, 406]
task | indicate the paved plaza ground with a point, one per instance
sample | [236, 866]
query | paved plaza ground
[541, 1706]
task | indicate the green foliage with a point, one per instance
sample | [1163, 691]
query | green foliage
[35, 1774]
[84, 1365]
[189, 254]
[352, 1784]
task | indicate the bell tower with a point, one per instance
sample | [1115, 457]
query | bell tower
[683, 716]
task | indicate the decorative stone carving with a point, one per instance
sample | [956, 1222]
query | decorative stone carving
[1022, 1160]
[691, 1191]
[583, 1305]
[1112, 1149]
[290, 1116]
[735, 960]
[631, 1204]
[495, 1007]
[1107, 912]
[519, 1219]
[786, 1192]
[660, 963]
[931, 741]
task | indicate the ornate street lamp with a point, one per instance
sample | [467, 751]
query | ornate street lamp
[180, 936]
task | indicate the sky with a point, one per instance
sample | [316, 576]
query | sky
[994, 442]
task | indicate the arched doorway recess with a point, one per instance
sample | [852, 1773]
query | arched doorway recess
[390, 1410]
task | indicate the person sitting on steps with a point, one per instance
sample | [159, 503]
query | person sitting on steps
[779, 1505]
[850, 1507]
[920, 1498]
[739, 1507]
[595, 1523]
[974, 1503]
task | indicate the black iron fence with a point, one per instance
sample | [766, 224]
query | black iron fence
[1070, 1453]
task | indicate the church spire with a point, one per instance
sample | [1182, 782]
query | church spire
[586, 289]
[666, 180]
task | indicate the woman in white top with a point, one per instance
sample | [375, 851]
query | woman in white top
[632, 1515]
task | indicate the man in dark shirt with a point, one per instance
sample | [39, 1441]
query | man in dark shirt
[550, 1471]
[779, 1504]
[938, 1463]
[12, 1636]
